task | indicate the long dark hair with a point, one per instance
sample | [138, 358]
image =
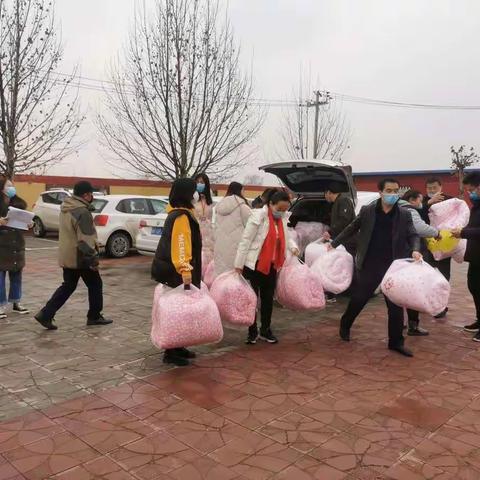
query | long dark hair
[236, 188]
[15, 201]
[207, 193]
[181, 194]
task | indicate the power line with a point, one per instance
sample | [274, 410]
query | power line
[99, 85]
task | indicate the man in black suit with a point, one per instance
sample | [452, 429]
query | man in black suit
[385, 233]
[435, 195]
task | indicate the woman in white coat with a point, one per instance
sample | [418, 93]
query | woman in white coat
[260, 256]
[231, 216]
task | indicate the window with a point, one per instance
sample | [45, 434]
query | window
[99, 205]
[51, 198]
[158, 206]
[134, 206]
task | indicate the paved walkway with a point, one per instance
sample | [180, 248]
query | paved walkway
[96, 403]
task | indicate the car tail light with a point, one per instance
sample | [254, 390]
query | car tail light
[143, 223]
[101, 220]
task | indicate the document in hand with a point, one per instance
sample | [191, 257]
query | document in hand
[19, 219]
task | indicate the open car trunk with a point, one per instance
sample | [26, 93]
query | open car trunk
[309, 180]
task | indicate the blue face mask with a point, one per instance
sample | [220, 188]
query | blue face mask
[391, 199]
[474, 196]
[200, 187]
[278, 215]
[10, 192]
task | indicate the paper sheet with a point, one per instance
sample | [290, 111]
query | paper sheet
[19, 219]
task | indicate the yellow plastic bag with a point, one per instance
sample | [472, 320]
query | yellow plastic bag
[445, 245]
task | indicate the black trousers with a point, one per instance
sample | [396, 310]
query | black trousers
[264, 287]
[93, 282]
[364, 285]
[474, 286]
[444, 266]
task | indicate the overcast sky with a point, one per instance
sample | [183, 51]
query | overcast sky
[420, 51]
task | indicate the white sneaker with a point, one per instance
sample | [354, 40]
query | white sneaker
[3, 313]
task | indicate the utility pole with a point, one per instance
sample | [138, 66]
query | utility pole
[321, 98]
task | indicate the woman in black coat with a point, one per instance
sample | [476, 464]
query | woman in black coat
[12, 250]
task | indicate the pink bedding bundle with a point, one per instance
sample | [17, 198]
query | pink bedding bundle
[209, 275]
[314, 251]
[298, 288]
[452, 213]
[235, 299]
[335, 269]
[416, 285]
[184, 318]
[308, 232]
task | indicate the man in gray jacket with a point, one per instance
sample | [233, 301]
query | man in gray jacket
[413, 201]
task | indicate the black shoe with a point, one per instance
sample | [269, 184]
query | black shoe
[20, 309]
[45, 322]
[330, 298]
[185, 353]
[402, 351]
[252, 335]
[344, 334]
[173, 359]
[473, 327]
[476, 338]
[442, 314]
[268, 337]
[101, 320]
[417, 332]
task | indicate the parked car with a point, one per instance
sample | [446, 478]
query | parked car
[47, 210]
[116, 217]
[150, 231]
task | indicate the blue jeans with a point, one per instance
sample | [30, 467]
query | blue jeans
[15, 292]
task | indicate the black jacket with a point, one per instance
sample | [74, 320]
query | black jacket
[163, 269]
[405, 239]
[341, 216]
[426, 208]
[12, 241]
[472, 233]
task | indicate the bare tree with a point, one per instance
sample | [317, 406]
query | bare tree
[38, 117]
[315, 129]
[462, 159]
[180, 103]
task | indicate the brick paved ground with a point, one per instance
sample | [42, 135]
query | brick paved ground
[97, 403]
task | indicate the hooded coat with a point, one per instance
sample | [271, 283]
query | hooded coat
[78, 236]
[232, 214]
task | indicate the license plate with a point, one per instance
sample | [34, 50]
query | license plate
[157, 230]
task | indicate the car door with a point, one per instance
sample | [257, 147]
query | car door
[131, 211]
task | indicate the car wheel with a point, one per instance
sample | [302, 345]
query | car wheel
[118, 245]
[38, 228]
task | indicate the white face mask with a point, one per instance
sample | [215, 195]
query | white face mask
[196, 198]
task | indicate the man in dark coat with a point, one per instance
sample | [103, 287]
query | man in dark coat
[472, 255]
[342, 214]
[385, 233]
[434, 189]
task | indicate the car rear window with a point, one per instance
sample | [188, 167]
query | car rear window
[159, 206]
[134, 206]
[99, 205]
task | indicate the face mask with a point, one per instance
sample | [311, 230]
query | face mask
[474, 196]
[10, 192]
[196, 197]
[200, 187]
[391, 199]
[278, 215]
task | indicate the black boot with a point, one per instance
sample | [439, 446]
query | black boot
[44, 321]
[185, 353]
[172, 357]
[101, 320]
